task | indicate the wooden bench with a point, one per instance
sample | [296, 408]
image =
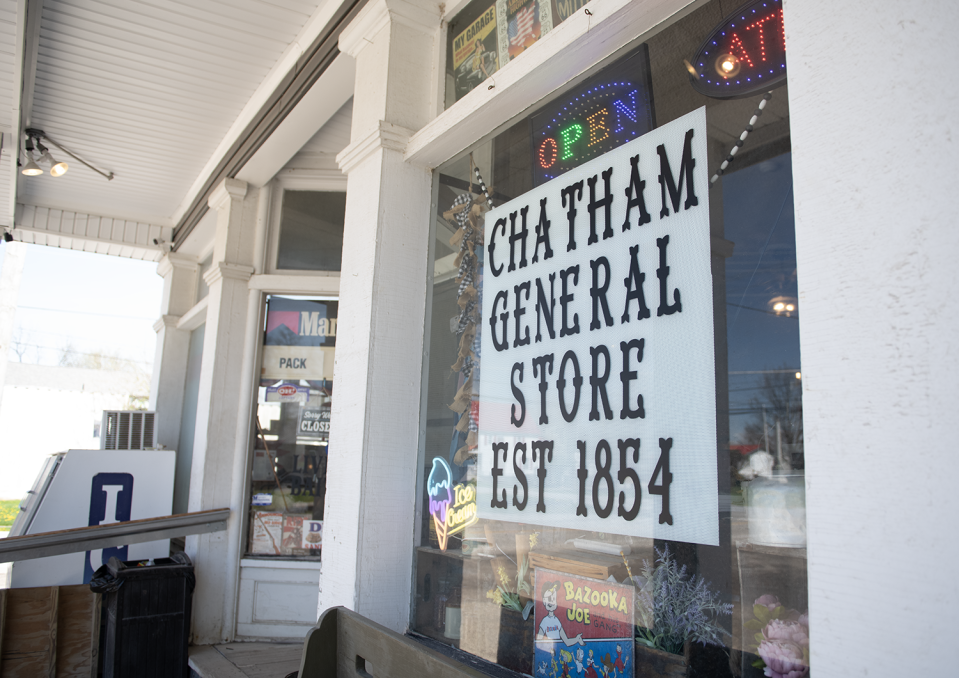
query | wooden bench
[344, 644]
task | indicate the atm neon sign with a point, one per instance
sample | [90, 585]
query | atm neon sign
[744, 55]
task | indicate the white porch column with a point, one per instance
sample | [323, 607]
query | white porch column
[222, 437]
[874, 163]
[371, 481]
[179, 275]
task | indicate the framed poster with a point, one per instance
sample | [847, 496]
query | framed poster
[597, 399]
[475, 54]
[520, 23]
[300, 340]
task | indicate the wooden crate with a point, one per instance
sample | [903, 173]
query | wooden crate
[580, 563]
[49, 632]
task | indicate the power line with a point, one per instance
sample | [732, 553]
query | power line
[92, 355]
[105, 315]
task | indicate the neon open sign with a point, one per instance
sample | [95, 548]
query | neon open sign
[609, 110]
[743, 55]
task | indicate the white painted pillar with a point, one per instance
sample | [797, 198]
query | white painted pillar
[875, 141]
[371, 481]
[222, 437]
[179, 275]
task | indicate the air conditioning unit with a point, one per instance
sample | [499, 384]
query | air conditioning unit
[128, 430]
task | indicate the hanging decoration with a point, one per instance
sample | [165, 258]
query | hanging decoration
[742, 138]
[466, 212]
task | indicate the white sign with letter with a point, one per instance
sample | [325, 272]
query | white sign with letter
[597, 388]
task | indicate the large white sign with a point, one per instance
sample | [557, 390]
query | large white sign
[597, 392]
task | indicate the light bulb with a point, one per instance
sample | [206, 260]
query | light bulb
[31, 169]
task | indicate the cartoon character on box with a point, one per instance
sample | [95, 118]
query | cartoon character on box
[551, 628]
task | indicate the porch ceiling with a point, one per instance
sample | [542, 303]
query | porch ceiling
[155, 92]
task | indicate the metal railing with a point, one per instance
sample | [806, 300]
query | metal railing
[78, 539]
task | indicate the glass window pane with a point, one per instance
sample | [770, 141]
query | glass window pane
[311, 231]
[475, 578]
[292, 428]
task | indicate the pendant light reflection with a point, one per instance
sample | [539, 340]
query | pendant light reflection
[786, 306]
[728, 65]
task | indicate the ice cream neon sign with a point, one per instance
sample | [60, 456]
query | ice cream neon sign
[453, 507]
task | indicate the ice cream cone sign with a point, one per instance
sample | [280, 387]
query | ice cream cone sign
[439, 486]
[453, 507]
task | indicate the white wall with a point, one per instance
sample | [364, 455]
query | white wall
[51, 409]
[873, 102]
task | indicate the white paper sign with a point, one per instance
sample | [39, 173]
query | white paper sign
[597, 392]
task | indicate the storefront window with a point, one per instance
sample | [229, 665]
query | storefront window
[612, 465]
[292, 428]
[311, 231]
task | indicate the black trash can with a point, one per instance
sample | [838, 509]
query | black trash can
[147, 608]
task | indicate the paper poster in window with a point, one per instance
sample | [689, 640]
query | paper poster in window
[520, 23]
[475, 55]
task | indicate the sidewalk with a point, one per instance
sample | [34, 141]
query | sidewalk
[245, 660]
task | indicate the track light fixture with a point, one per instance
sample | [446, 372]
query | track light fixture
[56, 168]
[31, 169]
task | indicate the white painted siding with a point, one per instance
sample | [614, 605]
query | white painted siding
[148, 91]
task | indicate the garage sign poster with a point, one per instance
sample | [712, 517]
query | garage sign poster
[597, 392]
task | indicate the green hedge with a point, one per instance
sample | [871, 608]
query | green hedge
[8, 511]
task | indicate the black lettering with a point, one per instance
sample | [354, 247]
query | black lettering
[634, 287]
[564, 300]
[569, 192]
[499, 344]
[540, 367]
[583, 474]
[598, 383]
[520, 476]
[662, 272]
[518, 312]
[634, 196]
[518, 394]
[627, 376]
[543, 453]
[598, 293]
[496, 472]
[603, 464]
[666, 181]
[569, 415]
[542, 234]
[627, 473]
[662, 489]
[544, 310]
[594, 204]
[519, 236]
[492, 246]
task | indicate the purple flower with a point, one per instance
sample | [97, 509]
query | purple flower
[804, 619]
[783, 659]
[791, 631]
[768, 600]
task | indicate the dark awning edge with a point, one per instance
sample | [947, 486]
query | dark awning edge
[297, 82]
